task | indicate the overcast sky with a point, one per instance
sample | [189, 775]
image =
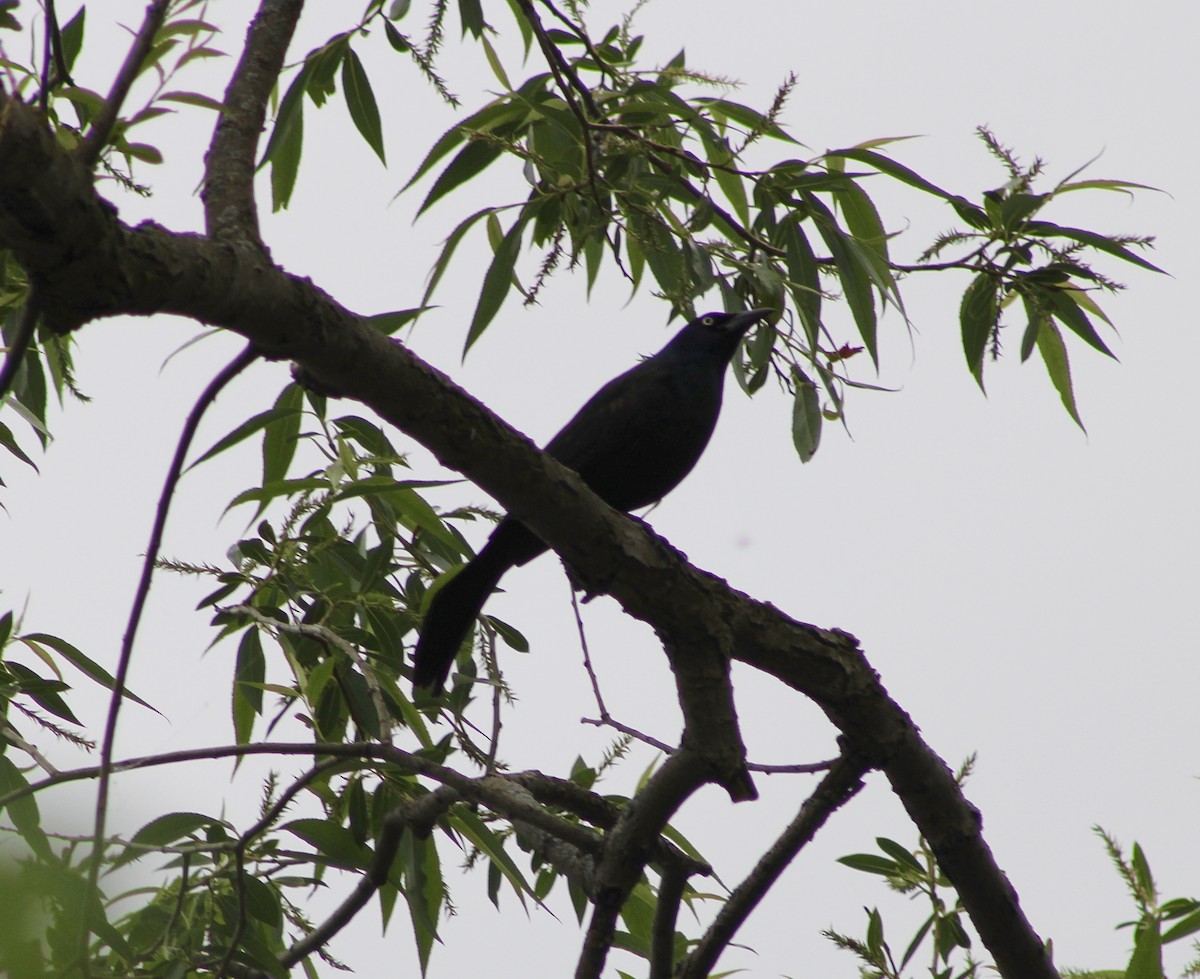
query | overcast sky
[1025, 591]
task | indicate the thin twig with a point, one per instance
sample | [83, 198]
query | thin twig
[227, 374]
[101, 126]
[587, 657]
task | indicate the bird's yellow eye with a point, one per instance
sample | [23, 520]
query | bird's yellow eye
[708, 321]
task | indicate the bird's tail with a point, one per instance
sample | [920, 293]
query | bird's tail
[453, 611]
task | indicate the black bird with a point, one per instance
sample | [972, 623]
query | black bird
[632, 443]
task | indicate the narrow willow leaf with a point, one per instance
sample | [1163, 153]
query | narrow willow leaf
[977, 317]
[806, 416]
[360, 100]
[1099, 242]
[752, 119]
[854, 276]
[84, 664]
[497, 282]
[241, 433]
[281, 434]
[389, 323]
[249, 674]
[471, 161]
[1065, 309]
[1054, 355]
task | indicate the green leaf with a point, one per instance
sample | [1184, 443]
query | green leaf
[390, 323]
[471, 161]
[893, 169]
[977, 317]
[1123, 186]
[249, 674]
[286, 140]
[472, 17]
[43, 692]
[72, 37]
[474, 829]
[1146, 961]
[423, 890]
[494, 61]
[272, 491]
[1065, 309]
[174, 826]
[197, 99]
[900, 854]
[501, 113]
[243, 432]
[497, 281]
[281, 434]
[81, 662]
[360, 100]
[1054, 355]
[451, 243]
[804, 280]
[285, 163]
[871, 863]
[1181, 929]
[752, 119]
[9, 441]
[24, 811]
[1099, 242]
[336, 844]
[511, 636]
[853, 271]
[806, 416]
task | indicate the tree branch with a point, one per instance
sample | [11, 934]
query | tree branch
[837, 788]
[148, 270]
[230, 212]
[627, 849]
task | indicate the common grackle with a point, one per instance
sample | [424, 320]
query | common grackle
[632, 443]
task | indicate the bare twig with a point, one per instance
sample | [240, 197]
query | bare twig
[605, 717]
[101, 127]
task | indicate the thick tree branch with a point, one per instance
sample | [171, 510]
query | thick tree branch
[148, 269]
[230, 212]
[627, 849]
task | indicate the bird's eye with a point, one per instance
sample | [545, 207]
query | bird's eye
[708, 321]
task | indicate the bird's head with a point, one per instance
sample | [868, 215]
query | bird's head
[716, 332]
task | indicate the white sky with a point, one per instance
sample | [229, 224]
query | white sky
[1025, 591]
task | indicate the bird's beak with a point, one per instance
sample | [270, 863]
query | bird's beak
[741, 323]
